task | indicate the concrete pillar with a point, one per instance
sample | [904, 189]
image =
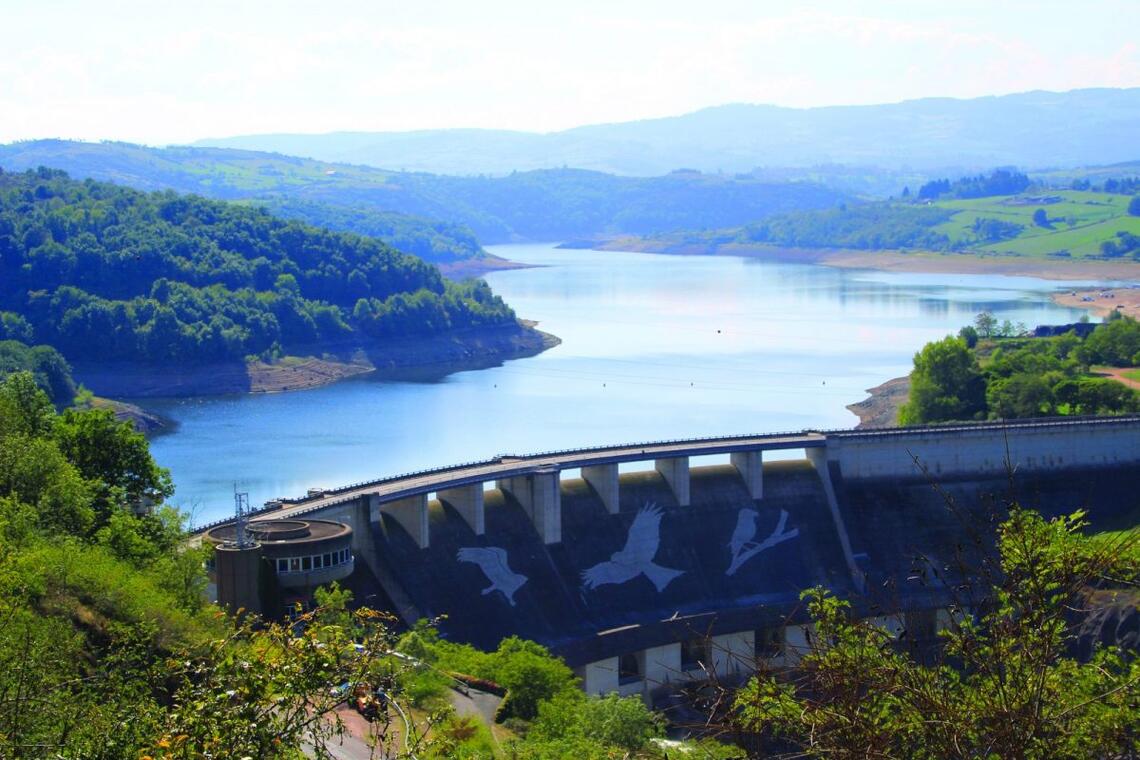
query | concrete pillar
[818, 459]
[541, 497]
[750, 465]
[361, 515]
[412, 514]
[238, 572]
[364, 512]
[601, 677]
[468, 502]
[662, 665]
[604, 479]
[734, 653]
[676, 474]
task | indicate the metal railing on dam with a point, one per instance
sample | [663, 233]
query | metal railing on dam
[505, 467]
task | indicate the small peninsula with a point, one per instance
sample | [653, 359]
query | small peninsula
[161, 294]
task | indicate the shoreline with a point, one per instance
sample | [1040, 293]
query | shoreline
[1102, 301]
[434, 356]
[881, 407]
[893, 260]
[472, 268]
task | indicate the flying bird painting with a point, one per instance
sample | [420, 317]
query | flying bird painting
[493, 562]
[743, 548]
[636, 558]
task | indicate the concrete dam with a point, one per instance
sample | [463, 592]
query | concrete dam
[643, 562]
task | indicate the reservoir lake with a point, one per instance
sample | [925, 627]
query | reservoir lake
[653, 347]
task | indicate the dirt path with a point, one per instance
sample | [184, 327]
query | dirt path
[1117, 373]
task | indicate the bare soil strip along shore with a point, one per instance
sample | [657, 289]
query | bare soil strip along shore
[144, 421]
[462, 270]
[438, 355]
[1103, 301]
[897, 261]
[881, 409]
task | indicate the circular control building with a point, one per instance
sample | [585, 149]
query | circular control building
[301, 554]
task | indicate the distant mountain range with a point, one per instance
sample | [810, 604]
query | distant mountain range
[397, 207]
[1031, 130]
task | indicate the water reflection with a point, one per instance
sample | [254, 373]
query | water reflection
[654, 347]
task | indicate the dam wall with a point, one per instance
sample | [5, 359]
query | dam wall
[985, 450]
[636, 577]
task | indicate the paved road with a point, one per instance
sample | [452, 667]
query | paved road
[398, 487]
[480, 704]
[511, 466]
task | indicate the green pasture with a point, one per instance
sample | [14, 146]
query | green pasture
[1078, 222]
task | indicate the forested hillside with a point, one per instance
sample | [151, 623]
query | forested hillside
[104, 272]
[109, 648]
[241, 176]
[556, 204]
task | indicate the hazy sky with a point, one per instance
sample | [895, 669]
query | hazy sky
[161, 72]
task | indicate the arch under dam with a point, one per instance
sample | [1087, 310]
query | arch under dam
[629, 573]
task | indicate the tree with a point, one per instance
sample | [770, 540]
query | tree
[1041, 218]
[1021, 395]
[530, 675]
[985, 323]
[970, 335]
[262, 691]
[1114, 343]
[574, 725]
[1134, 206]
[1004, 687]
[24, 407]
[113, 455]
[946, 384]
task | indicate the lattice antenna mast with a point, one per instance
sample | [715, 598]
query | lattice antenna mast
[241, 518]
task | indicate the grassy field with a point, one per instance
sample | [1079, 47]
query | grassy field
[1132, 374]
[1078, 222]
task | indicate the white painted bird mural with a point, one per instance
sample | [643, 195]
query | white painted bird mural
[493, 562]
[743, 548]
[636, 558]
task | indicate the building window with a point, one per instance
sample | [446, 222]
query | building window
[629, 669]
[306, 563]
[328, 560]
[318, 561]
[695, 654]
[769, 642]
[282, 565]
[294, 564]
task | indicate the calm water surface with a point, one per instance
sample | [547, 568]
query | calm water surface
[653, 347]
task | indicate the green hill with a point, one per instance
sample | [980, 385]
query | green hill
[106, 273]
[1070, 224]
[271, 181]
[1078, 223]
[556, 204]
